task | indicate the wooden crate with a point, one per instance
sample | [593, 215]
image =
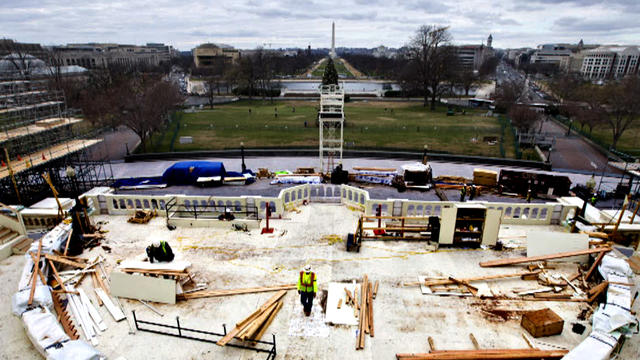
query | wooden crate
[543, 322]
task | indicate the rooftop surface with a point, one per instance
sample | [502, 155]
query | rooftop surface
[227, 259]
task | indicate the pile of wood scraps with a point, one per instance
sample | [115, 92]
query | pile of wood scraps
[551, 286]
[79, 305]
[365, 310]
[142, 216]
[255, 325]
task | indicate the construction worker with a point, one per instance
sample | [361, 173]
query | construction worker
[529, 195]
[307, 288]
[463, 192]
[594, 199]
[160, 251]
[473, 192]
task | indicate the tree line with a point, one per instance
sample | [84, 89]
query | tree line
[614, 104]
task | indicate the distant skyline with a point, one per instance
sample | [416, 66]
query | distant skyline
[290, 23]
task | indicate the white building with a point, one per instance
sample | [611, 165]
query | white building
[610, 62]
[98, 55]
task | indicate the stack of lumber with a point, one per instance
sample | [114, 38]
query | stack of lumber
[485, 177]
[365, 325]
[215, 293]
[255, 325]
[485, 354]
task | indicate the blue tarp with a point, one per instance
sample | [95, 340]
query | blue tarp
[187, 172]
[184, 173]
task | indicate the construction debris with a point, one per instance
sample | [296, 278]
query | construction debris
[504, 262]
[541, 323]
[485, 354]
[142, 216]
[216, 293]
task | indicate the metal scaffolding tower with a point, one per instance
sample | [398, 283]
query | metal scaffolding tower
[37, 135]
[331, 123]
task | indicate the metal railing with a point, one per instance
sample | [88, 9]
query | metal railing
[183, 331]
[210, 210]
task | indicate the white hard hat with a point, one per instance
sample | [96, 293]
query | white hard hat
[156, 243]
[307, 268]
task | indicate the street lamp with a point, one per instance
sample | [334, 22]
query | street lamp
[71, 174]
[244, 167]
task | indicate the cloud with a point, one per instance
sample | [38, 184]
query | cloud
[283, 23]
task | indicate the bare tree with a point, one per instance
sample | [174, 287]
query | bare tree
[507, 94]
[523, 118]
[432, 57]
[621, 99]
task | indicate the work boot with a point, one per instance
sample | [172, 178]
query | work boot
[307, 313]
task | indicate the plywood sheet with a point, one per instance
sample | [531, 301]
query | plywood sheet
[344, 315]
[541, 243]
[143, 287]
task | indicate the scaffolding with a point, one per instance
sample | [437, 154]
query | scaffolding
[38, 134]
[331, 123]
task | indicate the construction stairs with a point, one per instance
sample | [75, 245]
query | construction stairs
[20, 243]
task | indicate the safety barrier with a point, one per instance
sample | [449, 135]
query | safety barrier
[294, 196]
[354, 197]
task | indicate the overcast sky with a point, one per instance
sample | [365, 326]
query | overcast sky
[298, 23]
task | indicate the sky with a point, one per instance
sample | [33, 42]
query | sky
[247, 24]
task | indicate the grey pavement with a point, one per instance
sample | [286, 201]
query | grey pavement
[157, 167]
[573, 152]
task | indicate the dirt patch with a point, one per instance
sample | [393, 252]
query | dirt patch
[385, 118]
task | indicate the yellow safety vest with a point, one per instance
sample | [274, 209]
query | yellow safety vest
[307, 282]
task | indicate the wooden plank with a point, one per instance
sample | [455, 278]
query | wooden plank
[100, 282]
[56, 276]
[239, 326]
[339, 303]
[432, 346]
[360, 342]
[115, 311]
[472, 289]
[349, 297]
[63, 260]
[265, 326]
[66, 247]
[33, 258]
[370, 311]
[216, 293]
[375, 289]
[521, 260]
[36, 270]
[96, 285]
[471, 279]
[595, 265]
[474, 341]
[93, 313]
[253, 327]
[486, 354]
[597, 290]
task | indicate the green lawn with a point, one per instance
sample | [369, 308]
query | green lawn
[368, 126]
[340, 68]
[628, 143]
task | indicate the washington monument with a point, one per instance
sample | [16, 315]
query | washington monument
[332, 53]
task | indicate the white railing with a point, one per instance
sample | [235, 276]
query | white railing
[289, 198]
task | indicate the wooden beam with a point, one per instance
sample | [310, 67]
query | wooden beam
[370, 310]
[56, 276]
[486, 354]
[375, 289]
[66, 247]
[36, 269]
[216, 293]
[478, 278]
[432, 346]
[63, 260]
[265, 326]
[594, 266]
[33, 258]
[474, 341]
[521, 260]
[472, 289]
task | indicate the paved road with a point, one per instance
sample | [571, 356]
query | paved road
[573, 152]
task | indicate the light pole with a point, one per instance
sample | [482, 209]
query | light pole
[244, 167]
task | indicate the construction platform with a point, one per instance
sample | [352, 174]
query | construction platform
[37, 127]
[47, 154]
[405, 317]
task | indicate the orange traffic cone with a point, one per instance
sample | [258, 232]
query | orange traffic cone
[43, 158]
